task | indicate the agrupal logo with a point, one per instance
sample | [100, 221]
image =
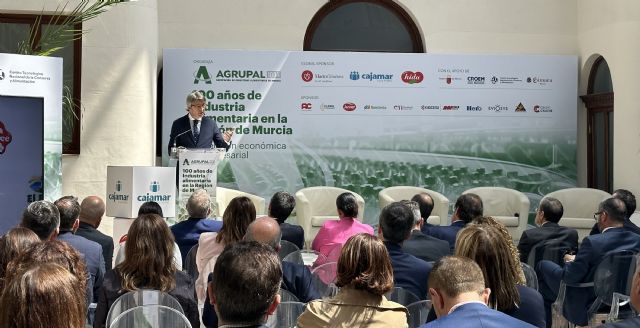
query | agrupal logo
[354, 75]
[116, 196]
[154, 187]
[248, 75]
[198, 161]
[202, 74]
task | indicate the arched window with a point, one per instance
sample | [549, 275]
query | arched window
[363, 25]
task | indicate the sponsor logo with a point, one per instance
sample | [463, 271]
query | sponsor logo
[305, 106]
[35, 184]
[474, 108]
[542, 109]
[202, 75]
[450, 107]
[498, 108]
[520, 108]
[374, 107]
[539, 80]
[402, 107]
[410, 77]
[5, 138]
[429, 107]
[154, 187]
[450, 79]
[307, 76]
[475, 79]
[494, 79]
[349, 107]
[327, 107]
[505, 79]
[248, 75]
[117, 196]
[354, 75]
[1, 74]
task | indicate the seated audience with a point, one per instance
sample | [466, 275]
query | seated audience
[513, 250]
[634, 295]
[188, 231]
[43, 218]
[236, 218]
[630, 203]
[580, 268]
[460, 298]
[12, 244]
[149, 263]
[91, 251]
[91, 211]
[364, 276]
[489, 248]
[467, 207]
[44, 295]
[425, 204]
[334, 233]
[296, 278]
[280, 207]
[424, 247]
[409, 272]
[548, 215]
[246, 279]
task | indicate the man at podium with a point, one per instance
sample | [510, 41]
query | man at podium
[195, 130]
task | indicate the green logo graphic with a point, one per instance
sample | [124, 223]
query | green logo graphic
[202, 75]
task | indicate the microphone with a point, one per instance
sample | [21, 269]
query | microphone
[174, 149]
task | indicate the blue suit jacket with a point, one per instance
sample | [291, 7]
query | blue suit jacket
[477, 315]
[92, 254]
[187, 233]
[209, 134]
[447, 233]
[409, 272]
[293, 233]
[629, 323]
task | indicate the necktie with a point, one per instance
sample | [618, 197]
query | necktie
[196, 131]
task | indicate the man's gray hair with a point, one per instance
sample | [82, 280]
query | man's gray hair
[193, 96]
[415, 209]
[198, 204]
[42, 217]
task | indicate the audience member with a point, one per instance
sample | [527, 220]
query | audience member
[364, 276]
[425, 204]
[424, 247]
[150, 207]
[280, 207]
[334, 233]
[246, 279]
[634, 295]
[513, 250]
[581, 267]
[467, 207]
[188, 231]
[12, 244]
[630, 203]
[236, 218]
[296, 278]
[91, 211]
[91, 251]
[459, 297]
[409, 272]
[548, 215]
[149, 263]
[501, 269]
[45, 295]
[43, 218]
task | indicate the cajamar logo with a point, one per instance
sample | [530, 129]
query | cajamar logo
[5, 138]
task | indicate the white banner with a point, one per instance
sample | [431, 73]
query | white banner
[198, 169]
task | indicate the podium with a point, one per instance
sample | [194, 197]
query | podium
[130, 186]
[197, 169]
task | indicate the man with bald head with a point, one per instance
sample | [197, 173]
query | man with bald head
[91, 211]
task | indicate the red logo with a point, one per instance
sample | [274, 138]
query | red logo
[411, 77]
[449, 80]
[5, 138]
[349, 107]
[536, 108]
[305, 106]
[307, 76]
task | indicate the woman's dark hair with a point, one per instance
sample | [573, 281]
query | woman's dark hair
[236, 219]
[150, 208]
[348, 204]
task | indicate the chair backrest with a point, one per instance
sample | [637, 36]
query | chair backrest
[286, 248]
[190, 264]
[305, 257]
[579, 204]
[614, 274]
[507, 206]
[418, 312]
[157, 316]
[402, 296]
[334, 253]
[440, 213]
[551, 250]
[141, 297]
[287, 296]
[286, 315]
[224, 197]
[530, 276]
[326, 272]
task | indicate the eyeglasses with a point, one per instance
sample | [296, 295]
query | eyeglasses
[198, 105]
[596, 215]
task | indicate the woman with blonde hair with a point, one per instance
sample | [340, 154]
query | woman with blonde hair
[44, 295]
[148, 264]
[12, 244]
[364, 275]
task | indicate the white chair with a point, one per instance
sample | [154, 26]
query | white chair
[579, 204]
[508, 206]
[224, 197]
[314, 205]
[141, 297]
[440, 213]
[157, 316]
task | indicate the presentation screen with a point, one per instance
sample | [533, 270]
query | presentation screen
[21, 156]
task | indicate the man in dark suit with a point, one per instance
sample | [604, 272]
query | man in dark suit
[91, 211]
[467, 207]
[459, 297]
[195, 130]
[635, 303]
[424, 247]
[280, 207]
[409, 272]
[425, 204]
[630, 202]
[580, 268]
[91, 251]
[548, 215]
[187, 233]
